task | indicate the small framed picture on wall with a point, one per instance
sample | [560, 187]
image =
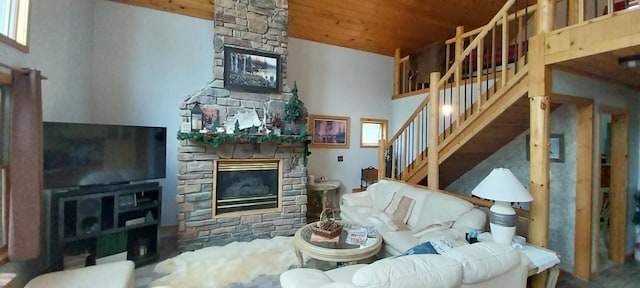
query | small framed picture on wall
[329, 131]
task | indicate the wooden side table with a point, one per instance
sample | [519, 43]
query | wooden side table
[326, 189]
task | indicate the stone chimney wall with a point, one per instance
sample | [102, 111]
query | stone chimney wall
[259, 25]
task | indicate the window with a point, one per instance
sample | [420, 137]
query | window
[14, 23]
[371, 131]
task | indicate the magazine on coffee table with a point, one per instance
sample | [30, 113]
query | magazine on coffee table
[357, 236]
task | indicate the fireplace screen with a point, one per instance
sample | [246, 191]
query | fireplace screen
[243, 187]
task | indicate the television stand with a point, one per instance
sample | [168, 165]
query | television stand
[101, 224]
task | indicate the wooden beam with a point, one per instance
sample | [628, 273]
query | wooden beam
[570, 99]
[618, 189]
[594, 37]
[5, 79]
[195, 8]
[545, 16]
[584, 192]
[432, 148]
[539, 107]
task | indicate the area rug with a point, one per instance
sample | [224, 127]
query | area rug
[218, 266]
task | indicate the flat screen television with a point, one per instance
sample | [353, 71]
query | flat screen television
[95, 154]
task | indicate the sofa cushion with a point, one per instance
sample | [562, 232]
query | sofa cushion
[356, 214]
[312, 277]
[420, 196]
[400, 240]
[345, 273]
[483, 260]
[451, 235]
[382, 192]
[410, 271]
[400, 207]
[432, 228]
[439, 208]
[474, 219]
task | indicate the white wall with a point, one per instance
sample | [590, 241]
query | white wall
[401, 109]
[341, 82]
[60, 41]
[144, 63]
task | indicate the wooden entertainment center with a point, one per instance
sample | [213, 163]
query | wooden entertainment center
[105, 223]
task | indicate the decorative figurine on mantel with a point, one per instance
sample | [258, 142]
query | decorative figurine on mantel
[295, 113]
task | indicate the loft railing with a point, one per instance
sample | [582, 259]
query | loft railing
[567, 13]
[574, 12]
[478, 64]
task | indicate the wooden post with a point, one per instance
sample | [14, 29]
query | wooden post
[455, 106]
[619, 186]
[382, 165]
[576, 14]
[584, 192]
[396, 75]
[546, 14]
[539, 106]
[434, 118]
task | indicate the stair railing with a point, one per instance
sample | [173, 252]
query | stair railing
[483, 61]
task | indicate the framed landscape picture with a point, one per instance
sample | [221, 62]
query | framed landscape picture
[329, 131]
[251, 71]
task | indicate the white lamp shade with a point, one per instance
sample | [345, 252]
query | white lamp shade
[502, 185]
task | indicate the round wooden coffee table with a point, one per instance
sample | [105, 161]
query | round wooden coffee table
[335, 252]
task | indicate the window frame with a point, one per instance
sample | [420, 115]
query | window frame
[385, 129]
[5, 80]
[15, 43]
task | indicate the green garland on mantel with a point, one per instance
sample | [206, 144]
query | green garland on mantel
[215, 139]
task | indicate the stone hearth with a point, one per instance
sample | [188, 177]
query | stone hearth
[197, 226]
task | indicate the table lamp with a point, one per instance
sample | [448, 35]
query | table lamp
[502, 187]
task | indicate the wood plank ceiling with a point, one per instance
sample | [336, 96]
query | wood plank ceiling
[378, 26]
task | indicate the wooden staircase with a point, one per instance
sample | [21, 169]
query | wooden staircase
[493, 107]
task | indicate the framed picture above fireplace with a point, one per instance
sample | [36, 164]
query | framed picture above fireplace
[251, 71]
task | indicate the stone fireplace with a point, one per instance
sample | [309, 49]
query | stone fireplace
[241, 190]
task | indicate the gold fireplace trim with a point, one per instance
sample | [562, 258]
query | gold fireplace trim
[226, 165]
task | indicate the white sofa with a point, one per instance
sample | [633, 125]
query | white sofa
[430, 207]
[479, 265]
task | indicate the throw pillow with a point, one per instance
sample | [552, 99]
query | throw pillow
[392, 224]
[432, 228]
[400, 207]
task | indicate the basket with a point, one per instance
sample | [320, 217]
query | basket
[327, 227]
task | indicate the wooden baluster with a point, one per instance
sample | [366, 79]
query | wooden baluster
[396, 80]
[517, 42]
[493, 57]
[480, 66]
[393, 159]
[470, 77]
[505, 50]
[418, 136]
[458, 74]
[404, 151]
